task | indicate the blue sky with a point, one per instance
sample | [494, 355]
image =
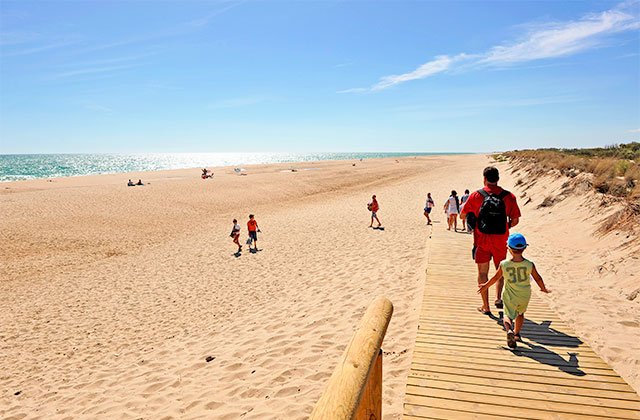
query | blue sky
[198, 76]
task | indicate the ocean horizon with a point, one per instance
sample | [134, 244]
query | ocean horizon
[16, 167]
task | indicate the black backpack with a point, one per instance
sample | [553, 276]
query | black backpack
[492, 218]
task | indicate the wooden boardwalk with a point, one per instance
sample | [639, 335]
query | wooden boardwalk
[463, 369]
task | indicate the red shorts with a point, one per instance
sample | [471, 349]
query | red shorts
[484, 254]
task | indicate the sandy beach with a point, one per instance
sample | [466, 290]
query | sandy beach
[114, 297]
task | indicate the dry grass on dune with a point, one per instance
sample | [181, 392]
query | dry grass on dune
[612, 171]
[615, 169]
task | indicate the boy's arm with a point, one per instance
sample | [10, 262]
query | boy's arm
[484, 286]
[538, 279]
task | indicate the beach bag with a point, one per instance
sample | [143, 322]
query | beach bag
[492, 218]
[249, 241]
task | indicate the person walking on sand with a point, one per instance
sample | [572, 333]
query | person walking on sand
[517, 288]
[374, 207]
[463, 200]
[494, 211]
[427, 208]
[252, 227]
[452, 208]
[235, 234]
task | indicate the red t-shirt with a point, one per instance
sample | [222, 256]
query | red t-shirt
[483, 240]
[252, 225]
[374, 205]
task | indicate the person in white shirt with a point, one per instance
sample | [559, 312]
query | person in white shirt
[452, 208]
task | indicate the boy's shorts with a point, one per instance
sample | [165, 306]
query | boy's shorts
[427, 209]
[373, 214]
[253, 235]
[515, 307]
[484, 255]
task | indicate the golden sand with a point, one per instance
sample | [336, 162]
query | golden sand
[113, 297]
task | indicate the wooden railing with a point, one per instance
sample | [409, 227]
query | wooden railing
[354, 390]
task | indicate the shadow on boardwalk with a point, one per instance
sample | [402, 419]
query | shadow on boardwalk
[538, 336]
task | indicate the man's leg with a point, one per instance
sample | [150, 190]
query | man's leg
[498, 256]
[483, 277]
[378, 220]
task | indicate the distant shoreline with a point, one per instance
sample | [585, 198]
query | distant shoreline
[25, 167]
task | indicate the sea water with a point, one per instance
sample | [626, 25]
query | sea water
[25, 166]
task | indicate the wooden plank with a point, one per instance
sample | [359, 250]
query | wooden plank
[496, 342]
[482, 371]
[513, 398]
[503, 411]
[524, 394]
[516, 383]
[488, 356]
[498, 363]
[418, 412]
[462, 368]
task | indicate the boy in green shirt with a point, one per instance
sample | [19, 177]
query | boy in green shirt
[517, 288]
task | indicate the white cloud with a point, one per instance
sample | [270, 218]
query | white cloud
[560, 39]
[541, 42]
[438, 65]
[636, 130]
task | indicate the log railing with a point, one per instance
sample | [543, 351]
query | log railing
[354, 390]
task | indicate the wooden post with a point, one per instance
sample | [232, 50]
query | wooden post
[370, 407]
[354, 390]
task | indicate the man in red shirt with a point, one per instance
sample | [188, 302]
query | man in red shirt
[499, 213]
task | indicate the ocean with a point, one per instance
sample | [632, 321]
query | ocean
[25, 166]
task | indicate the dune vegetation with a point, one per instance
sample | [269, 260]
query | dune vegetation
[615, 168]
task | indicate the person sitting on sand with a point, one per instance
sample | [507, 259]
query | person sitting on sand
[452, 208]
[374, 207]
[235, 234]
[206, 174]
[517, 288]
[252, 227]
[494, 211]
[427, 208]
[130, 184]
[139, 182]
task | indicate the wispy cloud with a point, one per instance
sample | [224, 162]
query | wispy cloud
[39, 48]
[92, 70]
[438, 65]
[540, 42]
[561, 39]
[204, 20]
[15, 38]
[636, 130]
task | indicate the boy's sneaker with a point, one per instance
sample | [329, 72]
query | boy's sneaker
[511, 339]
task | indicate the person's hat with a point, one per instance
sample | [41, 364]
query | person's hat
[517, 241]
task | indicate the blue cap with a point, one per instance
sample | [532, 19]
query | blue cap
[516, 241]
